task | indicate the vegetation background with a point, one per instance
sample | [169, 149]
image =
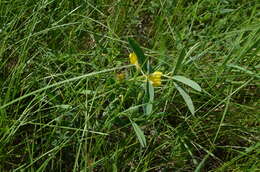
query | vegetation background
[63, 109]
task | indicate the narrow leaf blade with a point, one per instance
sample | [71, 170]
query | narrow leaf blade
[179, 61]
[186, 98]
[139, 133]
[243, 70]
[188, 82]
[148, 98]
[150, 90]
[149, 68]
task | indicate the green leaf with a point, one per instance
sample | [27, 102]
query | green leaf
[191, 50]
[139, 133]
[243, 70]
[150, 91]
[148, 108]
[148, 98]
[187, 81]
[149, 68]
[179, 61]
[142, 60]
[186, 98]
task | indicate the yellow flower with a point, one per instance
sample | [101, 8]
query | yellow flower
[134, 60]
[155, 78]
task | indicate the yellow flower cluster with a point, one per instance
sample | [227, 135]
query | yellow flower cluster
[154, 78]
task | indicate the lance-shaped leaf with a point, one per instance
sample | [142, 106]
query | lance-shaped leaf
[139, 133]
[186, 98]
[188, 82]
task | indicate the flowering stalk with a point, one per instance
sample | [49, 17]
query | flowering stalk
[154, 78]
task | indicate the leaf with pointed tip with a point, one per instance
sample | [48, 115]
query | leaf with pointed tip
[187, 81]
[244, 70]
[139, 133]
[186, 98]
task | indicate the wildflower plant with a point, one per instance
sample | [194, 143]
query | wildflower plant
[154, 79]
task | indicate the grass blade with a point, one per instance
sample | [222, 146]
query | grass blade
[61, 83]
[179, 61]
[244, 70]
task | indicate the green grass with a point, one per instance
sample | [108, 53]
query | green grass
[62, 108]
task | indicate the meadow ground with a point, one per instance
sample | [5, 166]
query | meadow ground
[70, 101]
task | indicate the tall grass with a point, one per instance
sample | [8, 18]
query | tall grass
[62, 107]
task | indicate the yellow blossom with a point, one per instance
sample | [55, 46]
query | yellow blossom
[155, 78]
[134, 60]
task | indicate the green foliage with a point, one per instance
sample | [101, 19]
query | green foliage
[148, 98]
[186, 98]
[62, 106]
[139, 133]
[188, 82]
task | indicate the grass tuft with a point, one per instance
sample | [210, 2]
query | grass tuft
[63, 108]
